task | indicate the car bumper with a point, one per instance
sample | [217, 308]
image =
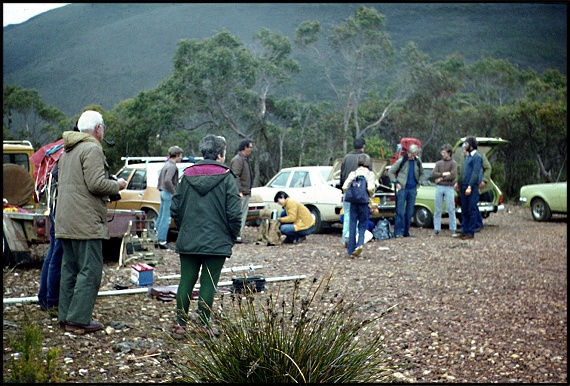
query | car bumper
[485, 207]
[253, 211]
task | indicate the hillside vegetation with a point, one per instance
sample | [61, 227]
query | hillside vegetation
[105, 53]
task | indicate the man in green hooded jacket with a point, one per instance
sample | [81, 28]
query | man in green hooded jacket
[206, 209]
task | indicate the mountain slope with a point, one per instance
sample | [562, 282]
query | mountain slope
[105, 53]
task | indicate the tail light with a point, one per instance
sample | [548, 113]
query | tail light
[140, 224]
[500, 199]
[41, 226]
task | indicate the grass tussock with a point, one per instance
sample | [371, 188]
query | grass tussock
[288, 338]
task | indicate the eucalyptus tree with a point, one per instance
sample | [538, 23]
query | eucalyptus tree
[27, 116]
[146, 122]
[274, 67]
[211, 82]
[299, 130]
[361, 50]
[222, 85]
[429, 100]
[537, 127]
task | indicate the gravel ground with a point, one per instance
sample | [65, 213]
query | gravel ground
[493, 309]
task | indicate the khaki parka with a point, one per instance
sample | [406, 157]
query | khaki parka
[84, 188]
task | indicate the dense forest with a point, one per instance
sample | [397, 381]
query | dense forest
[375, 89]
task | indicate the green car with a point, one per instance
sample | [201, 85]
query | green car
[544, 199]
[491, 201]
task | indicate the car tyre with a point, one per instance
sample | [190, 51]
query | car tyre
[318, 222]
[540, 210]
[150, 214]
[422, 217]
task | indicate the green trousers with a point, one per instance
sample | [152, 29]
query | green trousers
[189, 270]
[81, 273]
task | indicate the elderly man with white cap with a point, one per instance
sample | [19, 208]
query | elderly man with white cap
[406, 174]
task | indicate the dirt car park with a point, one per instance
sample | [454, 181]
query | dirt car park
[489, 310]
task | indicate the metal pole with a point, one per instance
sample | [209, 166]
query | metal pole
[224, 270]
[34, 299]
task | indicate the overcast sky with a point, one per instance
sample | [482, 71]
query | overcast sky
[16, 13]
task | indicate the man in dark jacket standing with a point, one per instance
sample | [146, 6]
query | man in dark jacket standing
[81, 220]
[242, 170]
[471, 176]
[349, 164]
[206, 209]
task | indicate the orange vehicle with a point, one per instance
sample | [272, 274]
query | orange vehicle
[26, 222]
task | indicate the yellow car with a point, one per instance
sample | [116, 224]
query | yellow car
[141, 192]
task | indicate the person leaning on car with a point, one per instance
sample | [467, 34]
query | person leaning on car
[84, 188]
[298, 221]
[471, 176]
[444, 174]
[485, 193]
[242, 170]
[167, 183]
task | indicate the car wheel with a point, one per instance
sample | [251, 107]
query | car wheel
[318, 222]
[151, 215]
[422, 217]
[540, 210]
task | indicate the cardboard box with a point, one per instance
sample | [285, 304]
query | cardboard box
[142, 274]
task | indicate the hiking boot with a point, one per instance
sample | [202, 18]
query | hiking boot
[436, 233]
[83, 328]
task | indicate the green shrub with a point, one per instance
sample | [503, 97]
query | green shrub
[30, 366]
[267, 339]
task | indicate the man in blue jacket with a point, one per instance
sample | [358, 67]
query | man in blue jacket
[470, 179]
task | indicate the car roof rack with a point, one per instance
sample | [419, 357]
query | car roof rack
[18, 142]
[157, 159]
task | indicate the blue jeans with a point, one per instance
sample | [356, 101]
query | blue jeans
[405, 201]
[345, 221]
[447, 192]
[469, 210]
[479, 222]
[358, 214]
[164, 219]
[48, 295]
[292, 235]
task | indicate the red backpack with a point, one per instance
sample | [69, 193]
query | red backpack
[402, 148]
[44, 160]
